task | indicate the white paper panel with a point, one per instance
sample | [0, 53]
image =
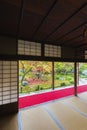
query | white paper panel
[6, 67]
[6, 80]
[0, 94]
[1, 63]
[13, 79]
[6, 88]
[6, 101]
[0, 98]
[6, 71]
[14, 75]
[14, 100]
[0, 84]
[13, 87]
[29, 48]
[14, 96]
[0, 102]
[6, 97]
[0, 89]
[14, 67]
[13, 63]
[5, 63]
[6, 84]
[1, 72]
[6, 93]
[13, 84]
[0, 67]
[0, 80]
[52, 51]
[6, 75]
[13, 71]
[27, 53]
[13, 91]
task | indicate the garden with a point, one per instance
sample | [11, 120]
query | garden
[36, 76]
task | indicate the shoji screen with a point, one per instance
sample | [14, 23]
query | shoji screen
[85, 53]
[29, 48]
[52, 51]
[8, 82]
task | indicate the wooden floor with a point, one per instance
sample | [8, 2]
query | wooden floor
[64, 114]
[9, 122]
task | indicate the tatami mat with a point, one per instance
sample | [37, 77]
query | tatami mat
[37, 119]
[69, 118]
[78, 103]
[83, 96]
[64, 114]
[9, 122]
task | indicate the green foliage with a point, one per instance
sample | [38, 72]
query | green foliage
[57, 77]
[63, 84]
[82, 67]
[37, 88]
[23, 89]
[83, 70]
[41, 71]
[63, 67]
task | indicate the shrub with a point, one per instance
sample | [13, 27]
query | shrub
[63, 84]
[37, 88]
[56, 77]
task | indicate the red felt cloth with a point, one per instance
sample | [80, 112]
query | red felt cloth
[47, 96]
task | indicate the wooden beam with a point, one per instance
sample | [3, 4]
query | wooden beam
[44, 18]
[66, 20]
[20, 18]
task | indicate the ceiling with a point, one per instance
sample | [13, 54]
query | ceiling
[60, 22]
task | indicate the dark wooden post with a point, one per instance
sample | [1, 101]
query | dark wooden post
[75, 79]
[77, 73]
[53, 75]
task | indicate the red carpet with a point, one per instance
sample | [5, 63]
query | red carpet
[47, 96]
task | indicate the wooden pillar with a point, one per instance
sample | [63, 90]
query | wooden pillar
[75, 79]
[53, 75]
[77, 73]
